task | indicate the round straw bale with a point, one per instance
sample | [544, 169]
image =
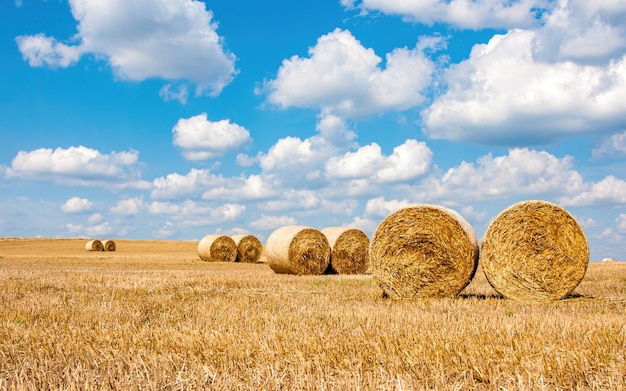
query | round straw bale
[109, 245]
[249, 248]
[349, 250]
[94, 245]
[294, 249]
[217, 248]
[534, 251]
[423, 251]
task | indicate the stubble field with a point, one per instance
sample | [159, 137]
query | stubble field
[153, 316]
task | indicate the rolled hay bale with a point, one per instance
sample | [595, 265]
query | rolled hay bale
[249, 248]
[534, 251]
[300, 250]
[349, 250]
[109, 245]
[94, 245]
[423, 251]
[217, 248]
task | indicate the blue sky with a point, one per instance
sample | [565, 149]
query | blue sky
[175, 119]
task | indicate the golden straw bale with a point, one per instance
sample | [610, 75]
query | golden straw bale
[534, 251]
[349, 250]
[94, 245]
[423, 251]
[300, 250]
[109, 245]
[217, 248]
[249, 248]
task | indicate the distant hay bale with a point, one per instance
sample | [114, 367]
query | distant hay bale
[109, 245]
[423, 251]
[94, 245]
[297, 250]
[534, 251]
[349, 250]
[217, 248]
[608, 260]
[249, 248]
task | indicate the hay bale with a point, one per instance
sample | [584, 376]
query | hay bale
[534, 251]
[109, 245]
[608, 260]
[217, 248]
[249, 248]
[423, 251]
[297, 250]
[94, 245]
[349, 250]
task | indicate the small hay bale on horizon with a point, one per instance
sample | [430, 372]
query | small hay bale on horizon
[349, 250]
[217, 248]
[300, 250]
[534, 251]
[423, 251]
[249, 248]
[109, 245]
[94, 245]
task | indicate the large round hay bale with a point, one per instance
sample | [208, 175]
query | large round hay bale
[217, 248]
[534, 251]
[423, 251]
[349, 250]
[294, 249]
[249, 248]
[109, 245]
[94, 245]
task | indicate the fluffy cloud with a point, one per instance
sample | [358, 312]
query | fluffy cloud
[78, 166]
[177, 186]
[201, 139]
[502, 95]
[103, 229]
[520, 172]
[608, 191]
[378, 207]
[408, 161]
[141, 39]
[620, 222]
[342, 77]
[460, 13]
[129, 206]
[77, 205]
[253, 187]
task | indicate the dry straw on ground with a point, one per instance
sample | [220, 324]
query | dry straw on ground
[349, 250]
[423, 251]
[94, 245]
[535, 251]
[249, 248]
[217, 248]
[109, 245]
[298, 250]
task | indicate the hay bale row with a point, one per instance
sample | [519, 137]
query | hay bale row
[297, 250]
[532, 251]
[349, 250]
[98, 245]
[423, 251]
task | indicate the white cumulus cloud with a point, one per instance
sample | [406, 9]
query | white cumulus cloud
[78, 165]
[201, 139]
[408, 161]
[77, 205]
[141, 39]
[177, 186]
[608, 191]
[129, 206]
[342, 77]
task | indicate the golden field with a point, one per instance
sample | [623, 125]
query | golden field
[153, 316]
